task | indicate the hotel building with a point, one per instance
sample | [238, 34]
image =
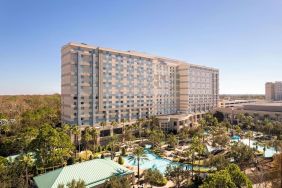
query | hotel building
[106, 85]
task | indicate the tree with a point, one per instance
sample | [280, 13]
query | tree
[140, 124]
[76, 184]
[177, 174]
[76, 132]
[242, 154]
[103, 124]
[113, 143]
[249, 135]
[51, 147]
[278, 165]
[220, 139]
[5, 177]
[240, 117]
[156, 136]
[195, 147]
[256, 115]
[114, 123]
[268, 125]
[202, 122]
[117, 182]
[138, 156]
[128, 136]
[25, 137]
[153, 122]
[94, 133]
[230, 177]
[154, 177]
[27, 162]
[67, 129]
[277, 144]
[219, 179]
[218, 161]
[211, 121]
[226, 124]
[123, 129]
[238, 130]
[5, 128]
[172, 140]
[238, 177]
[86, 137]
[249, 120]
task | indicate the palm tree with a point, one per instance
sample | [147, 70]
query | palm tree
[86, 139]
[154, 122]
[256, 115]
[196, 147]
[138, 156]
[268, 126]
[112, 144]
[76, 132]
[249, 122]
[27, 162]
[103, 124]
[277, 144]
[94, 133]
[249, 135]
[240, 117]
[114, 123]
[123, 130]
[140, 124]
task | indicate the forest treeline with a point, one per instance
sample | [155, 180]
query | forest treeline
[21, 113]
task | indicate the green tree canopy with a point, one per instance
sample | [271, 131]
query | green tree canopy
[51, 147]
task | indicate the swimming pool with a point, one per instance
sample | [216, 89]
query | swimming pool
[159, 163]
[269, 151]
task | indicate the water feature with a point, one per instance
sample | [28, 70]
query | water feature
[159, 163]
[269, 151]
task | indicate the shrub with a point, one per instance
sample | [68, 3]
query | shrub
[70, 161]
[91, 157]
[120, 160]
[99, 149]
[102, 156]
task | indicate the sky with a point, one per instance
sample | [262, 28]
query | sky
[242, 38]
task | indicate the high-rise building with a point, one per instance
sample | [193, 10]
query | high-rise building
[273, 91]
[106, 85]
[269, 91]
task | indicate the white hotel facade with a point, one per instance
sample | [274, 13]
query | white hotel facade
[105, 85]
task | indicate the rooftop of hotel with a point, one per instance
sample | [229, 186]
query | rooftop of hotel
[140, 54]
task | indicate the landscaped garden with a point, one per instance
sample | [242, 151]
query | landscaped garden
[213, 152]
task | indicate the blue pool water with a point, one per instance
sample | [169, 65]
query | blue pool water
[157, 162]
[269, 151]
[235, 138]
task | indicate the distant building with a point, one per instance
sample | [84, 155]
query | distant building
[273, 91]
[94, 173]
[259, 110]
[234, 103]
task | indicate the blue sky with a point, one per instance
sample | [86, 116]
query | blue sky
[242, 38]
